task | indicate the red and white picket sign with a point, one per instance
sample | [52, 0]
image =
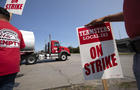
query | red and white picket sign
[15, 6]
[100, 59]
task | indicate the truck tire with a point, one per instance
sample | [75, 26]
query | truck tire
[63, 57]
[31, 60]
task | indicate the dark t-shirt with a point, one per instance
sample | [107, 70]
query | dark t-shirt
[11, 41]
[131, 11]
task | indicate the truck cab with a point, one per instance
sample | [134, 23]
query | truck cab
[59, 50]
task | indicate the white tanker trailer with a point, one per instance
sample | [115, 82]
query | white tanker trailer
[29, 40]
[28, 52]
[53, 49]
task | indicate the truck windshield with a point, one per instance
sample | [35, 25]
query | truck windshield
[56, 44]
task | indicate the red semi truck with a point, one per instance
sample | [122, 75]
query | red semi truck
[53, 50]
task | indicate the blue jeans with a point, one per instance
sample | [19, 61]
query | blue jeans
[136, 68]
[7, 82]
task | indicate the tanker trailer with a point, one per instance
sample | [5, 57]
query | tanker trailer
[28, 53]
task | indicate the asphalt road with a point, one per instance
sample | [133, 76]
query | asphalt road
[51, 74]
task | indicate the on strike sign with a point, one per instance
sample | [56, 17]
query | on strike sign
[15, 6]
[98, 51]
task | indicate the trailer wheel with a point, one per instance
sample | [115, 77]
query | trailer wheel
[31, 60]
[63, 57]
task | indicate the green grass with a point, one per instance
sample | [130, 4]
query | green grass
[74, 87]
[126, 53]
[128, 84]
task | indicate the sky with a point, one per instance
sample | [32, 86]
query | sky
[60, 18]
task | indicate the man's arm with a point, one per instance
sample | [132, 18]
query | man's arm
[110, 18]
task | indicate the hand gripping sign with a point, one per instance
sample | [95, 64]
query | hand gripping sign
[98, 51]
[15, 6]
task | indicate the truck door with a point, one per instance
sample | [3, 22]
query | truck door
[55, 47]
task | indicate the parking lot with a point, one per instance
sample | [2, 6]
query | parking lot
[47, 74]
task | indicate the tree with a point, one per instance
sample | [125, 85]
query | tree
[74, 50]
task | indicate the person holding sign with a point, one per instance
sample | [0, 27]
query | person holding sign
[11, 41]
[131, 17]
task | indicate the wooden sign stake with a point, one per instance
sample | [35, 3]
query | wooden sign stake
[105, 84]
[10, 16]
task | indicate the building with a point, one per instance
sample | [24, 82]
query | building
[123, 45]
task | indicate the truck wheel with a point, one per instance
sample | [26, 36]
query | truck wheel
[31, 60]
[63, 57]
